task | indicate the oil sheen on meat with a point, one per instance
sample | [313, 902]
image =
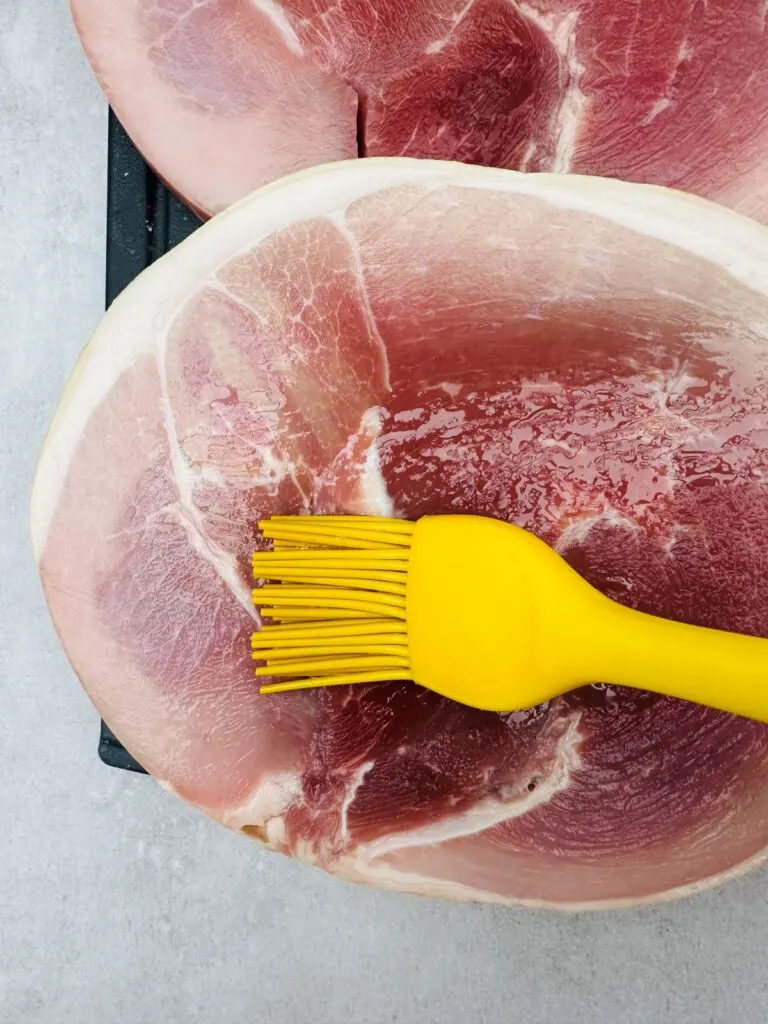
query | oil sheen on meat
[587, 359]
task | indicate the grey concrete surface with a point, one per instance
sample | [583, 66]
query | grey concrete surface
[118, 903]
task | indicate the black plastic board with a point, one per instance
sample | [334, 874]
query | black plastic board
[144, 221]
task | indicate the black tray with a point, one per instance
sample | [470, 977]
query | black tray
[143, 221]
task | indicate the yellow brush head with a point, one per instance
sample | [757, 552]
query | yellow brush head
[449, 602]
[335, 590]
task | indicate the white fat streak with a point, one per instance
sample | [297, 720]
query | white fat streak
[356, 782]
[530, 151]
[376, 497]
[439, 44]
[489, 812]
[569, 121]
[222, 561]
[275, 470]
[218, 285]
[658, 108]
[676, 532]
[577, 531]
[144, 312]
[664, 102]
[561, 32]
[268, 804]
[338, 219]
[278, 17]
[666, 384]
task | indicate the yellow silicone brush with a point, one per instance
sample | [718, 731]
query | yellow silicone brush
[477, 610]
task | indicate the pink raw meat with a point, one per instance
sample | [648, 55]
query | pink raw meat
[222, 96]
[583, 357]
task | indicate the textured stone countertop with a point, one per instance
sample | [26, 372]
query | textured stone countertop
[118, 903]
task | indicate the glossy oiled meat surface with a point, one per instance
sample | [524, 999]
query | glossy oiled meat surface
[583, 358]
[224, 95]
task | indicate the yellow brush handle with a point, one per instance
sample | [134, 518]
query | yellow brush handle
[724, 670]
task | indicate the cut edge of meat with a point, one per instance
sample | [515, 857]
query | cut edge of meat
[682, 220]
[386, 877]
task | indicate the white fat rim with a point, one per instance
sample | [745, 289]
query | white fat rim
[384, 876]
[143, 313]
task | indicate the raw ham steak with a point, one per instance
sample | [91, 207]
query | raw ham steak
[586, 358]
[224, 95]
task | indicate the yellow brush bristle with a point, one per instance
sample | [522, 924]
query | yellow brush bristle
[334, 588]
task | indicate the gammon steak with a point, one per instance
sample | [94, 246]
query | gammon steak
[222, 96]
[585, 357]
